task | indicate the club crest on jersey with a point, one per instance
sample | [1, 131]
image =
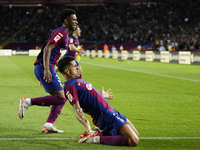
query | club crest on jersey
[89, 86]
[69, 96]
[78, 83]
[57, 37]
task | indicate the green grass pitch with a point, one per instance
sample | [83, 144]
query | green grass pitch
[162, 100]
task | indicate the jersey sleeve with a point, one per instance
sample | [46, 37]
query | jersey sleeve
[58, 37]
[71, 94]
[71, 40]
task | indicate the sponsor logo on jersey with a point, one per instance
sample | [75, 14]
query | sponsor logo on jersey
[60, 34]
[89, 86]
[69, 96]
[57, 37]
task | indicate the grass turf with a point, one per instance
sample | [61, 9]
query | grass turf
[160, 99]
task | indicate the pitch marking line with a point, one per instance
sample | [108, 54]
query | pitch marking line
[143, 138]
[25, 139]
[143, 72]
[170, 138]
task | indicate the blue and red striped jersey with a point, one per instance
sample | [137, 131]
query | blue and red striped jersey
[71, 40]
[90, 99]
[59, 38]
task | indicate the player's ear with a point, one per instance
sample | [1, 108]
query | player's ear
[66, 21]
[66, 71]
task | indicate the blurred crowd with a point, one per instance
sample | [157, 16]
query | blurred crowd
[172, 23]
[12, 18]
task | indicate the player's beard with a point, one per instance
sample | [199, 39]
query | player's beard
[78, 74]
[71, 29]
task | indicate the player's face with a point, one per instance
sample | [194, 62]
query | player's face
[72, 22]
[73, 70]
[78, 31]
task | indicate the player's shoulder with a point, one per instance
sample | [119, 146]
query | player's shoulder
[61, 31]
[72, 37]
[71, 40]
[78, 82]
[83, 84]
[71, 82]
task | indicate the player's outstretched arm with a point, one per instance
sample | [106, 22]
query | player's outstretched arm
[80, 116]
[106, 94]
[74, 49]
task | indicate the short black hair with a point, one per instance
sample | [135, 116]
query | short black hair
[64, 63]
[65, 13]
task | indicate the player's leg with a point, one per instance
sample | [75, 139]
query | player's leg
[56, 98]
[132, 127]
[129, 134]
[54, 113]
[25, 103]
[56, 109]
[42, 101]
[123, 135]
[56, 90]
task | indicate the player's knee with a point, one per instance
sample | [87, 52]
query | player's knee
[62, 101]
[137, 133]
[134, 142]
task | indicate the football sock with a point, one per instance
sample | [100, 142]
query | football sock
[28, 101]
[95, 140]
[114, 140]
[47, 101]
[55, 112]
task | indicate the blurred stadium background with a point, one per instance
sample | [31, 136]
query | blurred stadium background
[161, 99]
[25, 24]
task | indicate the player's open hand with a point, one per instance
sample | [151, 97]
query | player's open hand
[47, 76]
[106, 94]
[82, 51]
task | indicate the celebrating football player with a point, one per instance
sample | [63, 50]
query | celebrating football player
[117, 129]
[72, 48]
[46, 74]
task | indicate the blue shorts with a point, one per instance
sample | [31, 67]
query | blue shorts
[116, 121]
[54, 85]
